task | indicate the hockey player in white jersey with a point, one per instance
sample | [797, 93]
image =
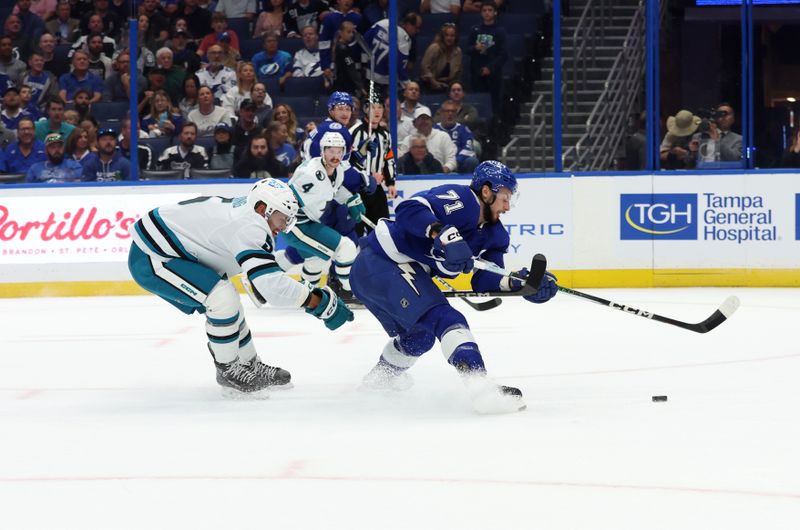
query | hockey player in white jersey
[316, 183]
[186, 253]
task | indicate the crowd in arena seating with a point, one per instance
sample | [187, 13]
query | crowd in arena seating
[223, 83]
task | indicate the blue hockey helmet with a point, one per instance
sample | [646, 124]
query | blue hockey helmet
[496, 175]
[340, 98]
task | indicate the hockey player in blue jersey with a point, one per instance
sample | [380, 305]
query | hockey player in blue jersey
[438, 233]
[186, 252]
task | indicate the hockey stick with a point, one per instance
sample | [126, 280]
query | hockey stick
[452, 292]
[720, 315]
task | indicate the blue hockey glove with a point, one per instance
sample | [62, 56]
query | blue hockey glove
[516, 284]
[547, 290]
[356, 208]
[330, 309]
[358, 160]
[450, 246]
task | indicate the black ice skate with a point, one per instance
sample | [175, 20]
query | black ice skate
[275, 378]
[347, 296]
[239, 380]
[487, 396]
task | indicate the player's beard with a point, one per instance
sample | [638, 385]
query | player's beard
[488, 215]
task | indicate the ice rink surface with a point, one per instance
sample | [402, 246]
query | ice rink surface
[110, 419]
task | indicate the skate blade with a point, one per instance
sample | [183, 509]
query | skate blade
[287, 386]
[238, 395]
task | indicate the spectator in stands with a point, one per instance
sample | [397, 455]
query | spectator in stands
[677, 150]
[272, 62]
[198, 19]
[57, 167]
[188, 103]
[377, 38]
[284, 152]
[18, 157]
[82, 103]
[77, 147]
[791, 157]
[12, 109]
[207, 115]
[438, 142]
[96, 27]
[237, 8]
[64, 28]
[186, 155]
[222, 152]
[487, 48]
[466, 114]
[461, 136]
[156, 80]
[42, 83]
[91, 126]
[411, 99]
[258, 161]
[342, 12]
[124, 146]
[284, 114]
[5, 84]
[111, 22]
[245, 79]
[157, 18]
[99, 63]
[108, 164]
[54, 121]
[230, 56]
[730, 143]
[32, 24]
[57, 65]
[182, 54]
[20, 43]
[146, 60]
[246, 127]
[306, 60]
[271, 20]
[71, 117]
[44, 8]
[117, 86]
[215, 75]
[375, 12]
[440, 6]
[80, 77]
[27, 104]
[475, 6]
[441, 64]
[347, 75]
[174, 74]
[303, 13]
[9, 65]
[418, 161]
[262, 101]
[636, 145]
[219, 23]
[163, 119]
[148, 34]
[7, 137]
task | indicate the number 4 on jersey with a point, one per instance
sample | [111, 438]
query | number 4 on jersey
[452, 196]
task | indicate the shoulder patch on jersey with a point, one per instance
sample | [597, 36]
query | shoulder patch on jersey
[335, 126]
[320, 175]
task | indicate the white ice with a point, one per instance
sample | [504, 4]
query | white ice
[110, 419]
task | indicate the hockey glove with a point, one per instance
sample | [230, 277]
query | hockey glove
[547, 290]
[330, 309]
[358, 161]
[451, 247]
[356, 208]
[515, 284]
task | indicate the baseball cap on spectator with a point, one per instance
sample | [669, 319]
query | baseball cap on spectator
[53, 138]
[12, 88]
[106, 131]
[222, 126]
[422, 111]
[224, 37]
[158, 71]
[683, 123]
[180, 33]
[249, 104]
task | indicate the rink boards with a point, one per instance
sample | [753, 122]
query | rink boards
[643, 230]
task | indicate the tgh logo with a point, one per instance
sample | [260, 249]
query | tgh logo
[658, 216]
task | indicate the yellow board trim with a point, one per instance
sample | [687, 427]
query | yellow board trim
[575, 279]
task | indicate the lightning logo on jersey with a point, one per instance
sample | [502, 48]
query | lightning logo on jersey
[408, 275]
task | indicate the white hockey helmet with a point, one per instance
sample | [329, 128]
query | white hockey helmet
[277, 196]
[332, 139]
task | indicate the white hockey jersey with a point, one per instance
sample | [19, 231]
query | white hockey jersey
[314, 189]
[225, 236]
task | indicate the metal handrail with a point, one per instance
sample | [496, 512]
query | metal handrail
[504, 155]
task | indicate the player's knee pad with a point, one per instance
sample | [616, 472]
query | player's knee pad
[416, 342]
[346, 253]
[223, 319]
[312, 269]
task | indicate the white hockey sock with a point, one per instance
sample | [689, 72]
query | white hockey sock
[224, 314]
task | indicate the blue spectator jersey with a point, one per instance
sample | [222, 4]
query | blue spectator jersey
[39, 84]
[13, 161]
[377, 38]
[285, 154]
[5, 84]
[462, 137]
[11, 123]
[327, 33]
[118, 168]
[68, 170]
[407, 238]
[71, 84]
[275, 66]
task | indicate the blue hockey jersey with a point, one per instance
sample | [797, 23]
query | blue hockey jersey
[377, 38]
[327, 33]
[407, 238]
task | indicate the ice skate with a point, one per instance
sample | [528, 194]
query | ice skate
[240, 381]
[386, 378]
[487, 396]
[347, 296]
[275, 378]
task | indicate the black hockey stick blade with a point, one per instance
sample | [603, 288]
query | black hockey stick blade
[483, 306]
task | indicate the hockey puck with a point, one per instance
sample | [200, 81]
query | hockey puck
[659, 398]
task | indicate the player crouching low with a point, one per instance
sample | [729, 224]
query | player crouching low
[437, 233]
[185, 254]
